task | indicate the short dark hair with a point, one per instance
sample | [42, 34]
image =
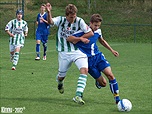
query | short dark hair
[96, 18]
[70, 9]
[19, 11]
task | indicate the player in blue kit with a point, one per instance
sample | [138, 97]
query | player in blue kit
[42, 32]
[96, 60]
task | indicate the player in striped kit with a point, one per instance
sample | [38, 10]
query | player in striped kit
[67, 52]
[17, 29]
[96, 61]
[42, 32]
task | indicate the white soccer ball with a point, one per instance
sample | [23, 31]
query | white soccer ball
[124, 105]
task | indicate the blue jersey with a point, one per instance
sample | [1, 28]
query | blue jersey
[96, 60]
[91, 48]
[43, 28]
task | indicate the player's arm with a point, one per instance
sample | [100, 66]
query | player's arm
[74, 39]
[37, 22]
[9, 33]
[83, 38]
[49, 17]
[44, 20]
[25, 33]
[25, 30]
[8, 28]
[106, 45]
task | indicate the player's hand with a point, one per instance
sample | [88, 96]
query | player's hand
[25, 34]
[84, 40]
[42, 19]
[11, 35]
[48, 7]
[115, 53]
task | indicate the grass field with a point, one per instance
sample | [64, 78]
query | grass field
[32, 88]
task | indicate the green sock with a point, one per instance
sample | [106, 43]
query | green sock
[16, 58]
[81, 84]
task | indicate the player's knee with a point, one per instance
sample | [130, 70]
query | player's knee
[103, 83]
[110, 77]
[84, 70]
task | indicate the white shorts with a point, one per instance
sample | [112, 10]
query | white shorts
[13, 47]
[66, 58]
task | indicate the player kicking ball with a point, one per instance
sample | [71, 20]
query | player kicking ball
[97, 63]
[17, 30]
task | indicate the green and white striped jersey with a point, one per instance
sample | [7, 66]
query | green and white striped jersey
[66, 29]
[17, 28]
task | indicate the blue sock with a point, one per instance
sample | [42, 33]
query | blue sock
[114, 89]
[45, 48]
[38, 50]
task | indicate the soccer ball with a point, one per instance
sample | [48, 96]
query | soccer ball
[124, 105]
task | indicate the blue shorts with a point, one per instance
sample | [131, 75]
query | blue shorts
[97, 64]
[43, 38]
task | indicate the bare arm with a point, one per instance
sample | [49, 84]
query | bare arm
[74, 39]
[83, 38]
[106, 45]
[44, 20]
[25, 33]
[9, 33]
[88, 35]
[48, 9]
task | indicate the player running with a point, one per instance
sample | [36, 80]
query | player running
[17, 30]
[96, 60]
[42, 32]
[67, 52]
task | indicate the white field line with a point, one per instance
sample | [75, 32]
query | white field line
[26, 53]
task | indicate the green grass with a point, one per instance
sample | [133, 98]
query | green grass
[112, 11]
[33, 87]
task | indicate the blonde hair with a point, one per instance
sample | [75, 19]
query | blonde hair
[70, 9]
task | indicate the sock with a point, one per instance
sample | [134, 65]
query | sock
[60, 81]
[114, 89]
[16, 58]
[81, 84]
[45, 48]
[38, 50]
[11, 57]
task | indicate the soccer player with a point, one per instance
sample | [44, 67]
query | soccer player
[96, 60]
[42, 32]
[17, 30]
[67, 52]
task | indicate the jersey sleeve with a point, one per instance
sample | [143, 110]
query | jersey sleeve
[9, 25]
[57, 20]
[84, 27]
[25, 28]
[100, 33]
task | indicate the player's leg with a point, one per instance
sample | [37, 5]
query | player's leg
[38, 41]
[104, 66]
[64, 65]
[100, 82]
[113, 83]
[44, 41]
[16, 57]
[81, 62]
[12, 48]
[95, 72]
